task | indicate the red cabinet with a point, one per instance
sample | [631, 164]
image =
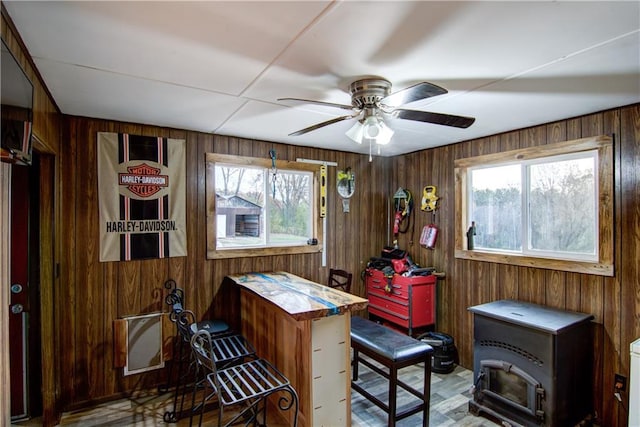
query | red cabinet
[409, 302]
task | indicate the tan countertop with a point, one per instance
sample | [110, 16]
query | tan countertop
[300, 298]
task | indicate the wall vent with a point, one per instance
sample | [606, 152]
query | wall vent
[139, 343]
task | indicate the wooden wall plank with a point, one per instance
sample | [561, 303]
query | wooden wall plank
[532, 285]
[556, 132]
[629, 219]
[611, 317]
[66, 295]
[443, 252]
[48, 257]
[555, 287]
[508, 281]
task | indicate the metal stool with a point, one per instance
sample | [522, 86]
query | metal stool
[175, 300]
[230, 349]
[249, 383]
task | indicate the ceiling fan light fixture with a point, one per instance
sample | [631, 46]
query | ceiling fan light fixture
[372, 129]
[386, 133]
[376, 130]
[356, 132]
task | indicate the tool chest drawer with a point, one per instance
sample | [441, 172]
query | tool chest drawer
[408, 302]
[389, 309]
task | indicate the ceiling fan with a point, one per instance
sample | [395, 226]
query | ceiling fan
[371, 100]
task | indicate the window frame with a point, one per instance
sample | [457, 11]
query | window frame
[605, 181]
[211, 218]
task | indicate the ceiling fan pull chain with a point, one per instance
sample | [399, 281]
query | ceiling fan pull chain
[274, 171]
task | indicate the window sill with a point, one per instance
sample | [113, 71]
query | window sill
[254, 252]
[547, 263]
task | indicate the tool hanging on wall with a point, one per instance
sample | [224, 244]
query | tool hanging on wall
[323, 200]
[274, 171]
[403, 205]
[429, 204]
[346, 186]
[429, 236]
[323, 191]
[346, 183]
[429, 198]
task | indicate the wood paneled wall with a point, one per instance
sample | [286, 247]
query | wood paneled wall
[614, 301]
[96, 293]
[93, 294]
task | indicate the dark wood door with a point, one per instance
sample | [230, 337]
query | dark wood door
[19, 304]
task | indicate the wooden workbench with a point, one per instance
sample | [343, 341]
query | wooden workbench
[303, 328]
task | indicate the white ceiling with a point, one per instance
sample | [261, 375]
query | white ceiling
[220, 66]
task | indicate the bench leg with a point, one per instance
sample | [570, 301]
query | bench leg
[393, 390]
[355, 364]
[426, 394]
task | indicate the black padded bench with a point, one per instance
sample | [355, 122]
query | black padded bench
[394, 351]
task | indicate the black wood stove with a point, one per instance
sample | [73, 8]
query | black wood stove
[532, 364]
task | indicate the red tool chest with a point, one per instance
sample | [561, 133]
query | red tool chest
[409, 302]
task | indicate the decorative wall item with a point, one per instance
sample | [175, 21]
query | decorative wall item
[346, 186]
[142, 196]
[346, 183]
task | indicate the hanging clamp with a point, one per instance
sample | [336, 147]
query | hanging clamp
[274, 171]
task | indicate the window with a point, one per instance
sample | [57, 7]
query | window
[548, 207]
[540, 207]
[255, 209]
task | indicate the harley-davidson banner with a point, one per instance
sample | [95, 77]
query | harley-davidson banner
[142, 197]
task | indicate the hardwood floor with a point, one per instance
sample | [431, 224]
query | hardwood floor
[449, 405]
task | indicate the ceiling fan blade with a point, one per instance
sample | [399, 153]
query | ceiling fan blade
[323, 124]
[436, 118]
[326, 104]
[413, 93]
